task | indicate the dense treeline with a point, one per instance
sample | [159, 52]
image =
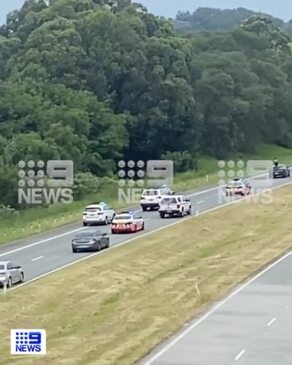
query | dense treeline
[95, 80]
[221, 20]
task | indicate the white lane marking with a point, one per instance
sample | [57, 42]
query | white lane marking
[79, 229]
[271, 322]
[38, 258]
[157, 230]
[239, 355]
[39, 242]
[201, 202]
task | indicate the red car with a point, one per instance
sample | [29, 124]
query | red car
[238, 186]
[127, 223]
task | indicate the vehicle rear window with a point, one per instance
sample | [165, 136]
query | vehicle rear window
[236, 183]
[93, 210]
[122, 217]
[85, 234]
[168, 201]
[2, 267]
[151, 193]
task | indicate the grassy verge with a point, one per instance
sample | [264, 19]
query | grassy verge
[39, 220]
[114, 308]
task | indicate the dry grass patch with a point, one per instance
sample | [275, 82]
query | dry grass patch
[115, 307]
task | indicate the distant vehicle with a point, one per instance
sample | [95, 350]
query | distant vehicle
[10, 274]
[98, 213]
[90, 240]
[238, 186]
[127, 222]
[176, 205]
[281, 171]
[151, 198]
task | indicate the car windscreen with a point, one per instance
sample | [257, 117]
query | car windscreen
[123, 217]
[168, 201]
[151, 193]
[2, 267]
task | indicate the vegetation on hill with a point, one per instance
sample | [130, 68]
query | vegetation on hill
[96, 80]
[221, 20]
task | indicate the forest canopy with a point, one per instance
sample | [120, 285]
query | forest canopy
[97, 80]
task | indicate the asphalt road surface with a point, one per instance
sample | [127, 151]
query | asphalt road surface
[51, 251]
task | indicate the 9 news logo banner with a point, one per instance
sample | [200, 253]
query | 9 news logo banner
[28, 342]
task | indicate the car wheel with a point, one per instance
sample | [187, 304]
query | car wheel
[144, 208]
[9, 283]
[74, 250]
[21, 280]
[84, 224]
[190, 211]
[142, 229]
[106, 221]
[162, 215]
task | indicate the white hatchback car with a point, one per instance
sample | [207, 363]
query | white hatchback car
[151, 198]
[99, 213]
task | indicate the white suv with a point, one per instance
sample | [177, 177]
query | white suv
[151, 197]
[176, 205]
[99, 213]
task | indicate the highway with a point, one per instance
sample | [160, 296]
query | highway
[51, 251]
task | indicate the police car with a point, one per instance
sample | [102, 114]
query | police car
[127, 222]
[238, 187]
[151, 198]
[98, 213]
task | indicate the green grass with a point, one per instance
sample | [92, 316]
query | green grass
[115, 307]
[39, 220]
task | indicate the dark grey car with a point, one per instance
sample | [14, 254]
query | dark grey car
[10, 274]
[281, 171]
[90, 240]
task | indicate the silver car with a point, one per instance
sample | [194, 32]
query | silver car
[10, 274]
